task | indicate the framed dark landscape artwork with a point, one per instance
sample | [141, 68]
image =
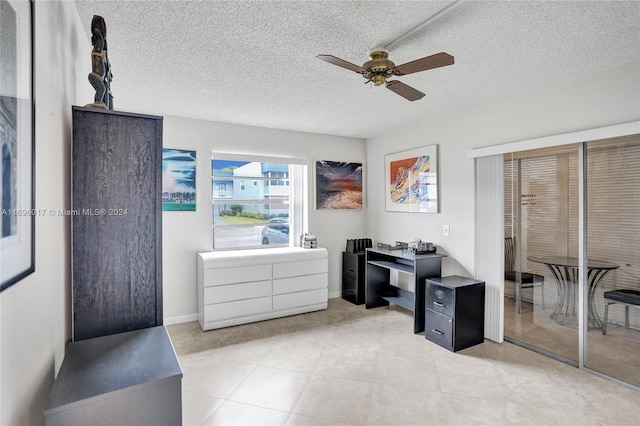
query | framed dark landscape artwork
[338, 185]
[17, 232]
[411, 180]
[178, 180]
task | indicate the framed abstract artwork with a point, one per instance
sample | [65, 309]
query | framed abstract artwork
[178, 180]
[411, 180]
[338, 185]
[17, 195]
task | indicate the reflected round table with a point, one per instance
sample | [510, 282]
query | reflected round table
[565, 270]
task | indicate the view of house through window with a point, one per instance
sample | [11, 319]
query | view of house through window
[253, 201]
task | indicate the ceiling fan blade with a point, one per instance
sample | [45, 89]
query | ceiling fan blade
[342, 63]
[434, 61]
[407, 92]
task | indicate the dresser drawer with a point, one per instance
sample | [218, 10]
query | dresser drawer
[223, 276]
[296, 300]
[296, 284]
[294, 269]
[237, 309]
[440, 299]
[228, 293]
[439, 329]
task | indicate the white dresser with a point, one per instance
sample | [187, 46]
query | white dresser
[238, 287]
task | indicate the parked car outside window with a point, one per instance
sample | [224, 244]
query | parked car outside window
[276, 231]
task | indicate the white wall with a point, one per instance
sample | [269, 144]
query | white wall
[35, 312]
[187, 233]
[609, 98]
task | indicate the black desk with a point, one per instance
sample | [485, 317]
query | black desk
[398, 277]
[565, 270]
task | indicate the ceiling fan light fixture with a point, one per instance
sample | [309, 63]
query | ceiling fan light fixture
[378, 79]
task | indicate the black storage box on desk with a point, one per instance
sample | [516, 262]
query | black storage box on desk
[353, 261]
[454, 312]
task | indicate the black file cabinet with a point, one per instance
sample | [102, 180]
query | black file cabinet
[353, 277]
[454, 317]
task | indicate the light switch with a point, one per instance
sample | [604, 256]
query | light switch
[445, 230]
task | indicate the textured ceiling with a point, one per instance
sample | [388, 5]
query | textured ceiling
[254, 62]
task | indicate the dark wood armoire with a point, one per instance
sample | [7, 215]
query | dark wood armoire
[116, 222]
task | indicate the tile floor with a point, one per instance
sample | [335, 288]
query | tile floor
[352, 366]
[617, 354]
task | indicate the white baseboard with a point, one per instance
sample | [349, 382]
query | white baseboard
[335, 295]
[180, 319]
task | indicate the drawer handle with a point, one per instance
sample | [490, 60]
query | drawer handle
[438, 304]
[438, 332]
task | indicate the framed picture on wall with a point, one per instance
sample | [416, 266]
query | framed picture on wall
[411, 180]
[178, 180]
[17, 195]
[338, 185]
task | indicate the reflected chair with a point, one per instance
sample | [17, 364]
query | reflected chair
[520, 279]
[626, 297]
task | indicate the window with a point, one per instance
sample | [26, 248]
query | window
[279, 178]
[269, 212]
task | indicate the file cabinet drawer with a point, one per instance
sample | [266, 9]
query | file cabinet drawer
[350, 265]
[440, 299]
[439, 329]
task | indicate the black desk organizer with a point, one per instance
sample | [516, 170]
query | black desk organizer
[358, 245]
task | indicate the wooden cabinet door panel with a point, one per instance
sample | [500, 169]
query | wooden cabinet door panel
[116, 222]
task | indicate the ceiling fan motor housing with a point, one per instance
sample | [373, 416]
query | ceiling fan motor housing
[379, 67]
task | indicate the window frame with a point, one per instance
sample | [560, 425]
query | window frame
[295, 179]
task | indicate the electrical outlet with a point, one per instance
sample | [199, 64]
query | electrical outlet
[445, 230]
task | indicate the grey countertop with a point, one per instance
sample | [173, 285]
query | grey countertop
[95, 367]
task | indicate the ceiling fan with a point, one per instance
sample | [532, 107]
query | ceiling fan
[379, 68]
